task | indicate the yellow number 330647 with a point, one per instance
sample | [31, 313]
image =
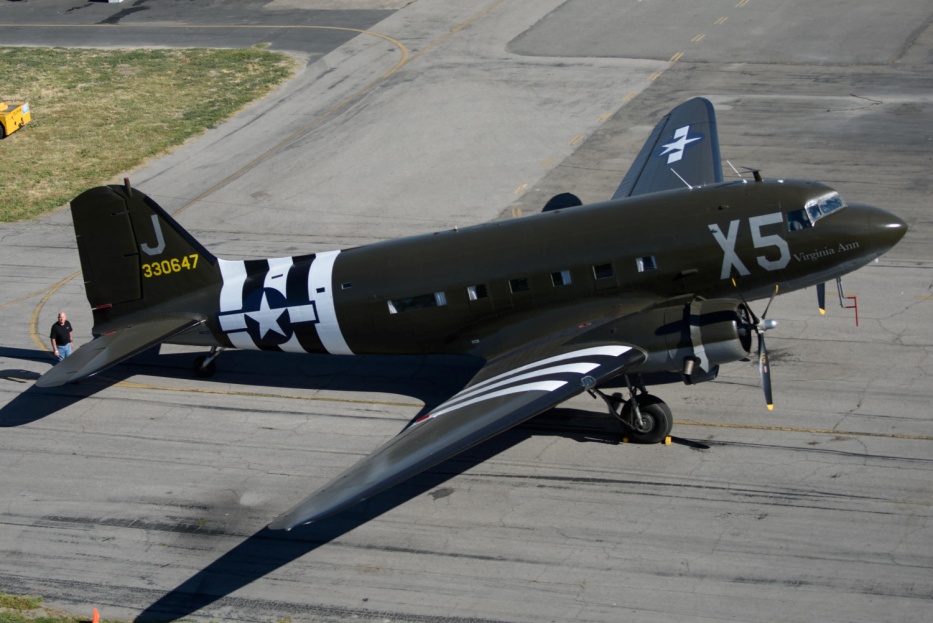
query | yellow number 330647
[168, 267]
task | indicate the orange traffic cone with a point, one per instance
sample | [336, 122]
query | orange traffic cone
[96, 617]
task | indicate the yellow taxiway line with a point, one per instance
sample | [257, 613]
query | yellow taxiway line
[794, 429]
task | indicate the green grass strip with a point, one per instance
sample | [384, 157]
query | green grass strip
[97, 113]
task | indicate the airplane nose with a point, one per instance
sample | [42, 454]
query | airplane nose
[882, 228]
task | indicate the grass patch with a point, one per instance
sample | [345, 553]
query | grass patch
[26, 609]
[19, 603]
[97, 113]
[16, 609]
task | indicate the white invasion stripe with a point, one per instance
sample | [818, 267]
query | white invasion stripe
[302, 313]
[609, 350]
[293, 345]
[540, 386]
[277, 276]
[233, 322]
[231, 299]
[579, 368]
[242, 340]
[234, 276]
[328, 329]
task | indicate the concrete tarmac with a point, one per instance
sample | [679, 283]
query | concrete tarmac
[145, 492]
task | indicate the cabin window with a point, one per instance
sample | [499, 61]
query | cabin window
[422, 301]
[561, 278]
[603, 271]
[646, 263]
[519, 284]
[346, 285]
[477, 292]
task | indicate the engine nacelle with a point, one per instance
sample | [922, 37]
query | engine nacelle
[691, 339]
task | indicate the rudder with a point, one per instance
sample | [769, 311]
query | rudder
[134, 255]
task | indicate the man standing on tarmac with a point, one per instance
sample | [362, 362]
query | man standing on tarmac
[62, 342]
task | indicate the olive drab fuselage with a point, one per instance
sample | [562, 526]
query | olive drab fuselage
[460, 290]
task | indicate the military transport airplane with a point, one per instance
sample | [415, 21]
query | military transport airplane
[652, 282]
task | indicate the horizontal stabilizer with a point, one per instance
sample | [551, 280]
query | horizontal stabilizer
[114, 347]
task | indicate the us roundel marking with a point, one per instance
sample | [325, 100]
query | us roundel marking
[257, 309]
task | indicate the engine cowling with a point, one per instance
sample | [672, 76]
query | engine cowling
[691, 339]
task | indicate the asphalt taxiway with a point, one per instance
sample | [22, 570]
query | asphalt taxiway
[145, 493]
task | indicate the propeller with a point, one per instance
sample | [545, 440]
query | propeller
[760, 325]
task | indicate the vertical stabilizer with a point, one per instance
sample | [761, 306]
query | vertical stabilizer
[134, 255]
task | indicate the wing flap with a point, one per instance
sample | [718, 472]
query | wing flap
[683, 149]
[112, 348]
[489, 405]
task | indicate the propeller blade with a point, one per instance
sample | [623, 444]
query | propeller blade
[821, 297]
[764, 369]
[751, 312]
[770, 300]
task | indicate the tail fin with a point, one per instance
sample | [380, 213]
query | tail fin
[134, 256]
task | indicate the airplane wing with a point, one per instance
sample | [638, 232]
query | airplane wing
[112, 348]
[682, 151]
[504, 393]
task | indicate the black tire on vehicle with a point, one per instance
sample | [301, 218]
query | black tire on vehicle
[656, 417]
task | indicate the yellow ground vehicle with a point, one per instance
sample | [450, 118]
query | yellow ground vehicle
[13, 116]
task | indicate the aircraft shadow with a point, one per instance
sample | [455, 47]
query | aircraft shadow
[429, 379]
[36, 403]
[32, 404]
[26, 354]
[268, 550]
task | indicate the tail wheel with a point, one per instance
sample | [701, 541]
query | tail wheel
[204, 371]
[656, 420]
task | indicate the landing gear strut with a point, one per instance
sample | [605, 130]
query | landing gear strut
[204, 366]
[647, 418]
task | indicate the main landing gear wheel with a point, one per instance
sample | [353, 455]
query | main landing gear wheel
[645, 418]
[656, 420]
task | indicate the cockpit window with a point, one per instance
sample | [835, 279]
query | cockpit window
[814, 211]
[830, 203]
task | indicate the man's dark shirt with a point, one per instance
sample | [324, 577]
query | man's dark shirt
[61, 333]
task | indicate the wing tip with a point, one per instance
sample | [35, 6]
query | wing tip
[285, 522]
[48, 379]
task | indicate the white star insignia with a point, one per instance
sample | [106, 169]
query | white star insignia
[267, 318]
